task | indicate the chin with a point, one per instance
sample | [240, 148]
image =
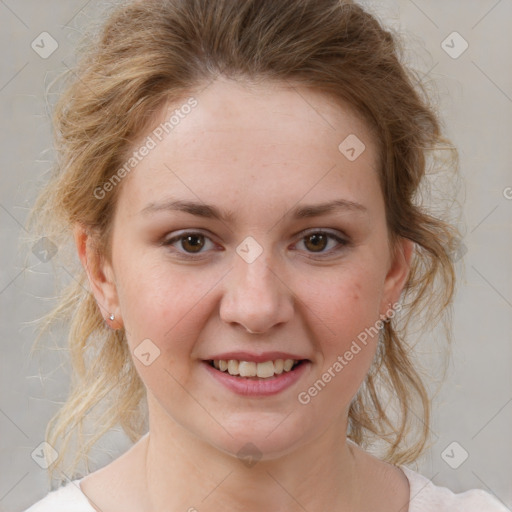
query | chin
[268, 438]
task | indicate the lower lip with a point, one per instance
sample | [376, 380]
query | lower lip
[260, 387]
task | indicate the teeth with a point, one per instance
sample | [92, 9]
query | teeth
[246, 369]
[288, 365]
[251, 369]
[233, 367]
[264, 370]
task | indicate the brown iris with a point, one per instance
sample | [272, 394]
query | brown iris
[316, 242]
[192, 243]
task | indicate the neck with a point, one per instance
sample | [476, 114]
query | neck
[186, 473]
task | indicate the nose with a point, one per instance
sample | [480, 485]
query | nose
[256, 296]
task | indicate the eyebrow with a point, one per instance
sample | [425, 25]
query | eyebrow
[210, 211]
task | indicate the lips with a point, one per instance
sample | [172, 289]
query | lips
[254, 374]
[258, 386]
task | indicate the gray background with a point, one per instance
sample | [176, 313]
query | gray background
[474, 407]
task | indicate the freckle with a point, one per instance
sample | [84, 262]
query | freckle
[357, 290]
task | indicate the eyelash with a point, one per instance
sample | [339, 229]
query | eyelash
[323, 254]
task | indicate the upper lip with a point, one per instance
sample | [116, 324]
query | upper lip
[256, 358]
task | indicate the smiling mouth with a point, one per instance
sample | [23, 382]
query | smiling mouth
[255, 371]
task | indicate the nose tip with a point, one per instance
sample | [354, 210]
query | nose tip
[254, 298]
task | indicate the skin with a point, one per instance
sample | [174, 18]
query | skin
[257, 151]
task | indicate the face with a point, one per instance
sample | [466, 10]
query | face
[247, 234]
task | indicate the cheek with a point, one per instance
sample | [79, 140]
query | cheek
[163, 319]
[166, 305]
[343, 309]
[345, 301]
[345, 350]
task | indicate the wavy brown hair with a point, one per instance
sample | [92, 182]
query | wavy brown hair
[152, 52]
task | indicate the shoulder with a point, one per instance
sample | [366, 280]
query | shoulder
[426, 497]
[68, 498]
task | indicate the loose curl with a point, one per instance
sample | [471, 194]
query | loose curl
[150, 53]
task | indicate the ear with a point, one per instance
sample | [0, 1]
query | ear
[398, 273]
[100, 274]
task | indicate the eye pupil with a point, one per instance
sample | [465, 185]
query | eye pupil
[318, 241]
[196, 242]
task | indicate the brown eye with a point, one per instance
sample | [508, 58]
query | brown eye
[316, 242]
[189, 244]
[323, 243]
[192, 243]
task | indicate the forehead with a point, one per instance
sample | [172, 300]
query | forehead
[245, 143]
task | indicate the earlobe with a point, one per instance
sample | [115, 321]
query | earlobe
[398, 274]
[100, 275]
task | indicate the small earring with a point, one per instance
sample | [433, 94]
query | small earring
[112, 317]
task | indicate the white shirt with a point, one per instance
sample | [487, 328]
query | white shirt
[424, 497]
